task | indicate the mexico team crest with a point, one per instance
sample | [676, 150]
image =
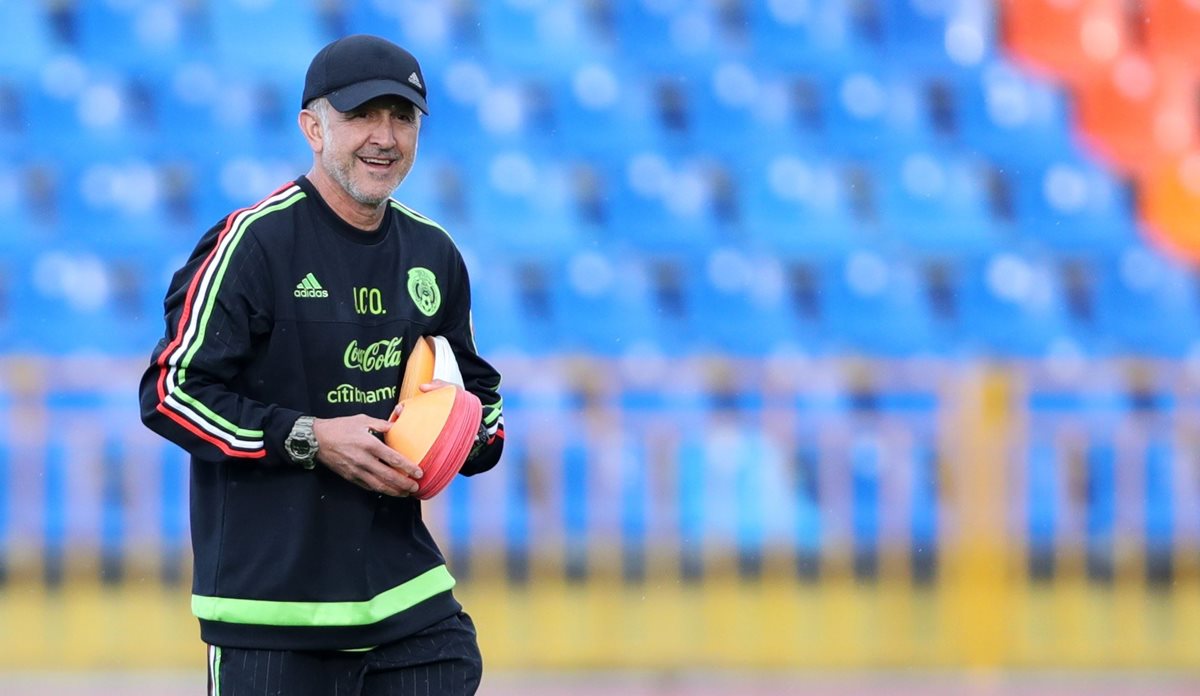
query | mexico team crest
[422, 286]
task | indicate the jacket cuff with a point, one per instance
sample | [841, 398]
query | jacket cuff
[278, 426]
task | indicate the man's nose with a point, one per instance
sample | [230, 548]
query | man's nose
[383, 134]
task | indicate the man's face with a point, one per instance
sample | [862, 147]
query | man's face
[369, 150]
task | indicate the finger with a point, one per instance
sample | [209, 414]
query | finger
[435, 384]
[395, 412]
[386, 478]
[398, 487]
[396, 482]
[397, 461]
[378, 425]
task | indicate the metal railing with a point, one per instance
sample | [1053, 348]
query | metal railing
[769, 513]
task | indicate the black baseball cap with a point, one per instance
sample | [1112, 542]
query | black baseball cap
[355, 69]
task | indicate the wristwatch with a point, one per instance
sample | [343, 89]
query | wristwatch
[301, 444]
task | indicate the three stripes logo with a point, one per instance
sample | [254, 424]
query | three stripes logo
[309, 287]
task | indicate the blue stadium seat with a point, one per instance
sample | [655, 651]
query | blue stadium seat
[563, 32]
[1070, 203]
[521, 201]
[603, 110]
[64, 303]
[1011, 305]
[51, 115]
[738, 304]
[1147, 304]
[117, 202]
[674, 36]
[603, 305]
[266, 37]
[437, 33]
[657, 203]
[875, 304]
[803, 35]
[505, 323]
[28, 41]
[738, 110]
[795, 204]
[936, 201]
[873, 111]
[208, 113]
[140, 37]
[432, 189]
[1012, 116]
[456, 95]
[85, 112]
[17, 221]
[937, 35]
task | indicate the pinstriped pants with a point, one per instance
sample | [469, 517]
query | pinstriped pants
[442, 660]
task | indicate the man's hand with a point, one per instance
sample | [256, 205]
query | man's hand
[427, 387]
[349, 448]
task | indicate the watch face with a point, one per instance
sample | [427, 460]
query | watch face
[301, 444]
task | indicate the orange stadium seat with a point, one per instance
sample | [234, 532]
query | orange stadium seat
[1169, 202]
[1139, 113]
[1069, 40]
[1172, 30]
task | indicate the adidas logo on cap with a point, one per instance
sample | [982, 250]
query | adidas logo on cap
[416, 81]
[309, 287]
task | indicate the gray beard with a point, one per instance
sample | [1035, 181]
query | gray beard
[342, 176]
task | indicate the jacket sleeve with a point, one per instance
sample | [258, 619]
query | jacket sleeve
[217, 307]
[479, 377]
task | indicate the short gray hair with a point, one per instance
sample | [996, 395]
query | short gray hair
[320, 107]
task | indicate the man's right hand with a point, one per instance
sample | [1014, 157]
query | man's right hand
[349, 448]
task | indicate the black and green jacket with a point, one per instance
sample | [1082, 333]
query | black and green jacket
[284, 309]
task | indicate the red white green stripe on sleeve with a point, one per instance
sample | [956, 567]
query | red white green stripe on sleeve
[174, 401]
[493, 419]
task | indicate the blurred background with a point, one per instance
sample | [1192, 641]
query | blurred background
[841, 338]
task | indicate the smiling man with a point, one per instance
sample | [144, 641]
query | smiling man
[287, 336]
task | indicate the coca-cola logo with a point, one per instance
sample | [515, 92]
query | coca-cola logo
[375, 356]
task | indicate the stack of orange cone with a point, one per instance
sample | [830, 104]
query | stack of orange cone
[435, 429]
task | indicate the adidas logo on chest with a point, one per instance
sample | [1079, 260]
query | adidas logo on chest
[310, 287]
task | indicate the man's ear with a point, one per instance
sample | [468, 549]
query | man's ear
[310, 126]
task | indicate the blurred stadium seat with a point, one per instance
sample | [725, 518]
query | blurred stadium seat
[795, 204]
[1068, 203]
[140, 37]
[1171, 26]
[605, 305]
[28, 38]
[1148, 304]
[1068, 41]
[656, 128]
[1012, 305]
[799, 35]
[875, 304]
[266, 37]
[933, 201]
[938, 35]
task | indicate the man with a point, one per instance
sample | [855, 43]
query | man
[287, 333]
